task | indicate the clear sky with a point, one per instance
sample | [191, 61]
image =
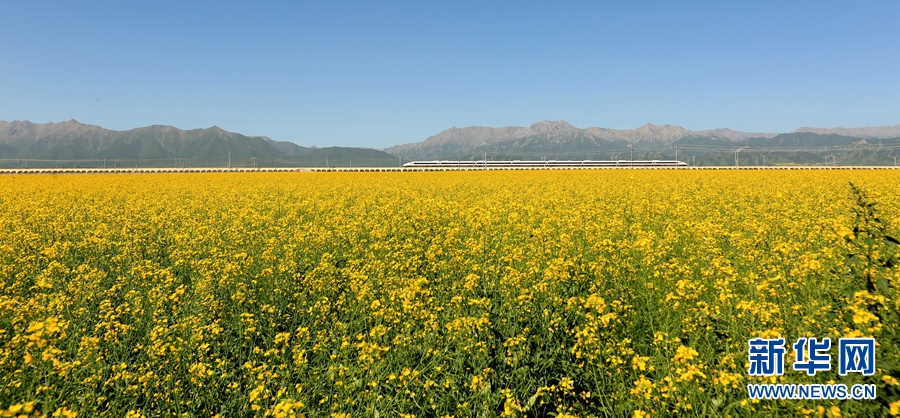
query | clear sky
[378, 74]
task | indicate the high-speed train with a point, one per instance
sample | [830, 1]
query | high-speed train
[547, 163]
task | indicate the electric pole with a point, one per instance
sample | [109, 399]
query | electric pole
[229, 160]
[632, 155]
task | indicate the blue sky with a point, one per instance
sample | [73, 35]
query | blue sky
[378, 74]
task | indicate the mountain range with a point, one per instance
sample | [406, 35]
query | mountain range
[73, 143]
[559, 138]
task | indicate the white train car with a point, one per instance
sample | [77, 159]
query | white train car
[545, 163]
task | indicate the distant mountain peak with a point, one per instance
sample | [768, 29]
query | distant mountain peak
[551, 125]
[651, 127]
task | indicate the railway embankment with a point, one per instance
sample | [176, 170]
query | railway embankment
[151, 170]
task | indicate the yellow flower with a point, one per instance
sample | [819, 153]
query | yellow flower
[894, 408]
[684, 354]
[639, 362]
[65, 413]
[643, 387]
[834, 411]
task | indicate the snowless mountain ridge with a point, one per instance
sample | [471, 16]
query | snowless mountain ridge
[455, 139]
[560, 130]
[879, 132]
[73, 140]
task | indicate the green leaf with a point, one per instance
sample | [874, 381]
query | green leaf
[882, 286]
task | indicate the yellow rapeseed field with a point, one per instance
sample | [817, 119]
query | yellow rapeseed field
[538, 293]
